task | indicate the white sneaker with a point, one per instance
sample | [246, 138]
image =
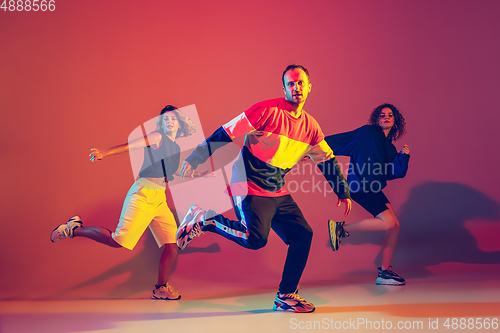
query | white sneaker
[190, 226]
[66, 230]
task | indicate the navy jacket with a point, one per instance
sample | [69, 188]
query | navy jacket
[374, 159]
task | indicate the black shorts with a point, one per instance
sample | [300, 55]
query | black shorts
[373, 202]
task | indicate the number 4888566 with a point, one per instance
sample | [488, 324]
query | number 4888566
[471, 323]
[28, 5]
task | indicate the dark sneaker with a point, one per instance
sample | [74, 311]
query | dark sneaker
[337, 232]
[389, 277]
[66, 230]
[190, 226]
[292, 303]
[165, 292]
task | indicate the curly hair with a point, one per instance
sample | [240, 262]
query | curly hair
[186, 125]
[399, 128]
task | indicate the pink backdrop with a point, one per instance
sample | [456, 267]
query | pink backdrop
[90, 72]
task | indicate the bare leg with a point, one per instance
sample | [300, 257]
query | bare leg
[385, 221]
[390, 241]
[167, 261]
[98, 234]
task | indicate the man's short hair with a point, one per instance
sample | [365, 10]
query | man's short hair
[290, 67]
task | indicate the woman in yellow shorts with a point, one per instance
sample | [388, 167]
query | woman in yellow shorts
[145, 204]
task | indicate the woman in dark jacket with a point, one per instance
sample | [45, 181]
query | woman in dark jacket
[373, 161]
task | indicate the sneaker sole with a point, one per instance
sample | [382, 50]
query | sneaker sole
[165, 299]
[290, 309]
[332, 226]
[382, 282]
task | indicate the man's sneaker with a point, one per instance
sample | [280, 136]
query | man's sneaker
[292, 303]
[190, 226]
[389, 277]
[337, 232]
[165, 291]
[66, 230]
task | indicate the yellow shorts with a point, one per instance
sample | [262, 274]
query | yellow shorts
[145, 205]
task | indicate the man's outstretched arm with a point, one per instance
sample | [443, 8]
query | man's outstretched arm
[203, 151]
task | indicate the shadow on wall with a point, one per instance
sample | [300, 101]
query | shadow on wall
[433, 228]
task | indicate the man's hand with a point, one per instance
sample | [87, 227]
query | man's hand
[206, 174]
[186, 170]
[348, 204]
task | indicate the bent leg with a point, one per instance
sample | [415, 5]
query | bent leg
[134, 219]
[252, 229]
[98, 234]
[385, 221]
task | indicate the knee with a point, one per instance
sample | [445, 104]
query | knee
[171, 249]
[255, 243]
[307, 234]
[391, 223]
[302, 239]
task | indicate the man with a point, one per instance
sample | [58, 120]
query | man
[279, 133]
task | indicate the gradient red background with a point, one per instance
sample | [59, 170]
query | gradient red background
[90, 72]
